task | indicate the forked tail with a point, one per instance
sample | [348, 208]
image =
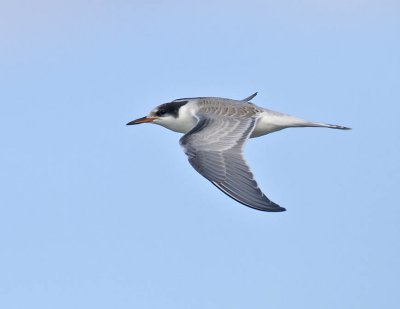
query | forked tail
[326, 125]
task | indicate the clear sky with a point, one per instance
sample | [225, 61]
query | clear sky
[95, 214]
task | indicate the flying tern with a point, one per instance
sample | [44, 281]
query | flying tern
[215, 131]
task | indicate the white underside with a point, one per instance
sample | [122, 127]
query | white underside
[270, 121]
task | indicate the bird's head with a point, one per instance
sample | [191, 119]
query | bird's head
[168, 115]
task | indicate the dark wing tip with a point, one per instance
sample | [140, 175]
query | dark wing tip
[250, 97]
[271, 207]
[265, 205]
[276, 208]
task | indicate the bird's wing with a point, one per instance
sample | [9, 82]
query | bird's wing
[250, 97]
[214, 149]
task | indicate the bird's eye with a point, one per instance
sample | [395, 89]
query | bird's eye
[161, 112]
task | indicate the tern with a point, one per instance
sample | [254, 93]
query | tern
[215, 131]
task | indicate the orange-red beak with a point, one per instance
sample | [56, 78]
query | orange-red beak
[141, 120]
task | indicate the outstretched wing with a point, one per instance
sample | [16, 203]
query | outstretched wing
[214, 149]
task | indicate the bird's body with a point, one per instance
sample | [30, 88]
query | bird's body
[268, 121]
[215, 131]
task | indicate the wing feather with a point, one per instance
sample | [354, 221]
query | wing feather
[250, 97]
[214, 149]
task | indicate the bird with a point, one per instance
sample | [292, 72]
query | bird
[215, 131]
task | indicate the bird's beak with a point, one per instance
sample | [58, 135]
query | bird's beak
[141, 120]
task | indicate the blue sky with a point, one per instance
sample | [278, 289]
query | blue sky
[94, 214]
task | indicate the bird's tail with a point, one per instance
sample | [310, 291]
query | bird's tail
[323, 125]
[287, 121]
[274, 121]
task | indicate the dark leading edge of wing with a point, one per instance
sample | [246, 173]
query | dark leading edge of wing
[218, 157]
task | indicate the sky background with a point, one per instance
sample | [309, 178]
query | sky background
[95, 214]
